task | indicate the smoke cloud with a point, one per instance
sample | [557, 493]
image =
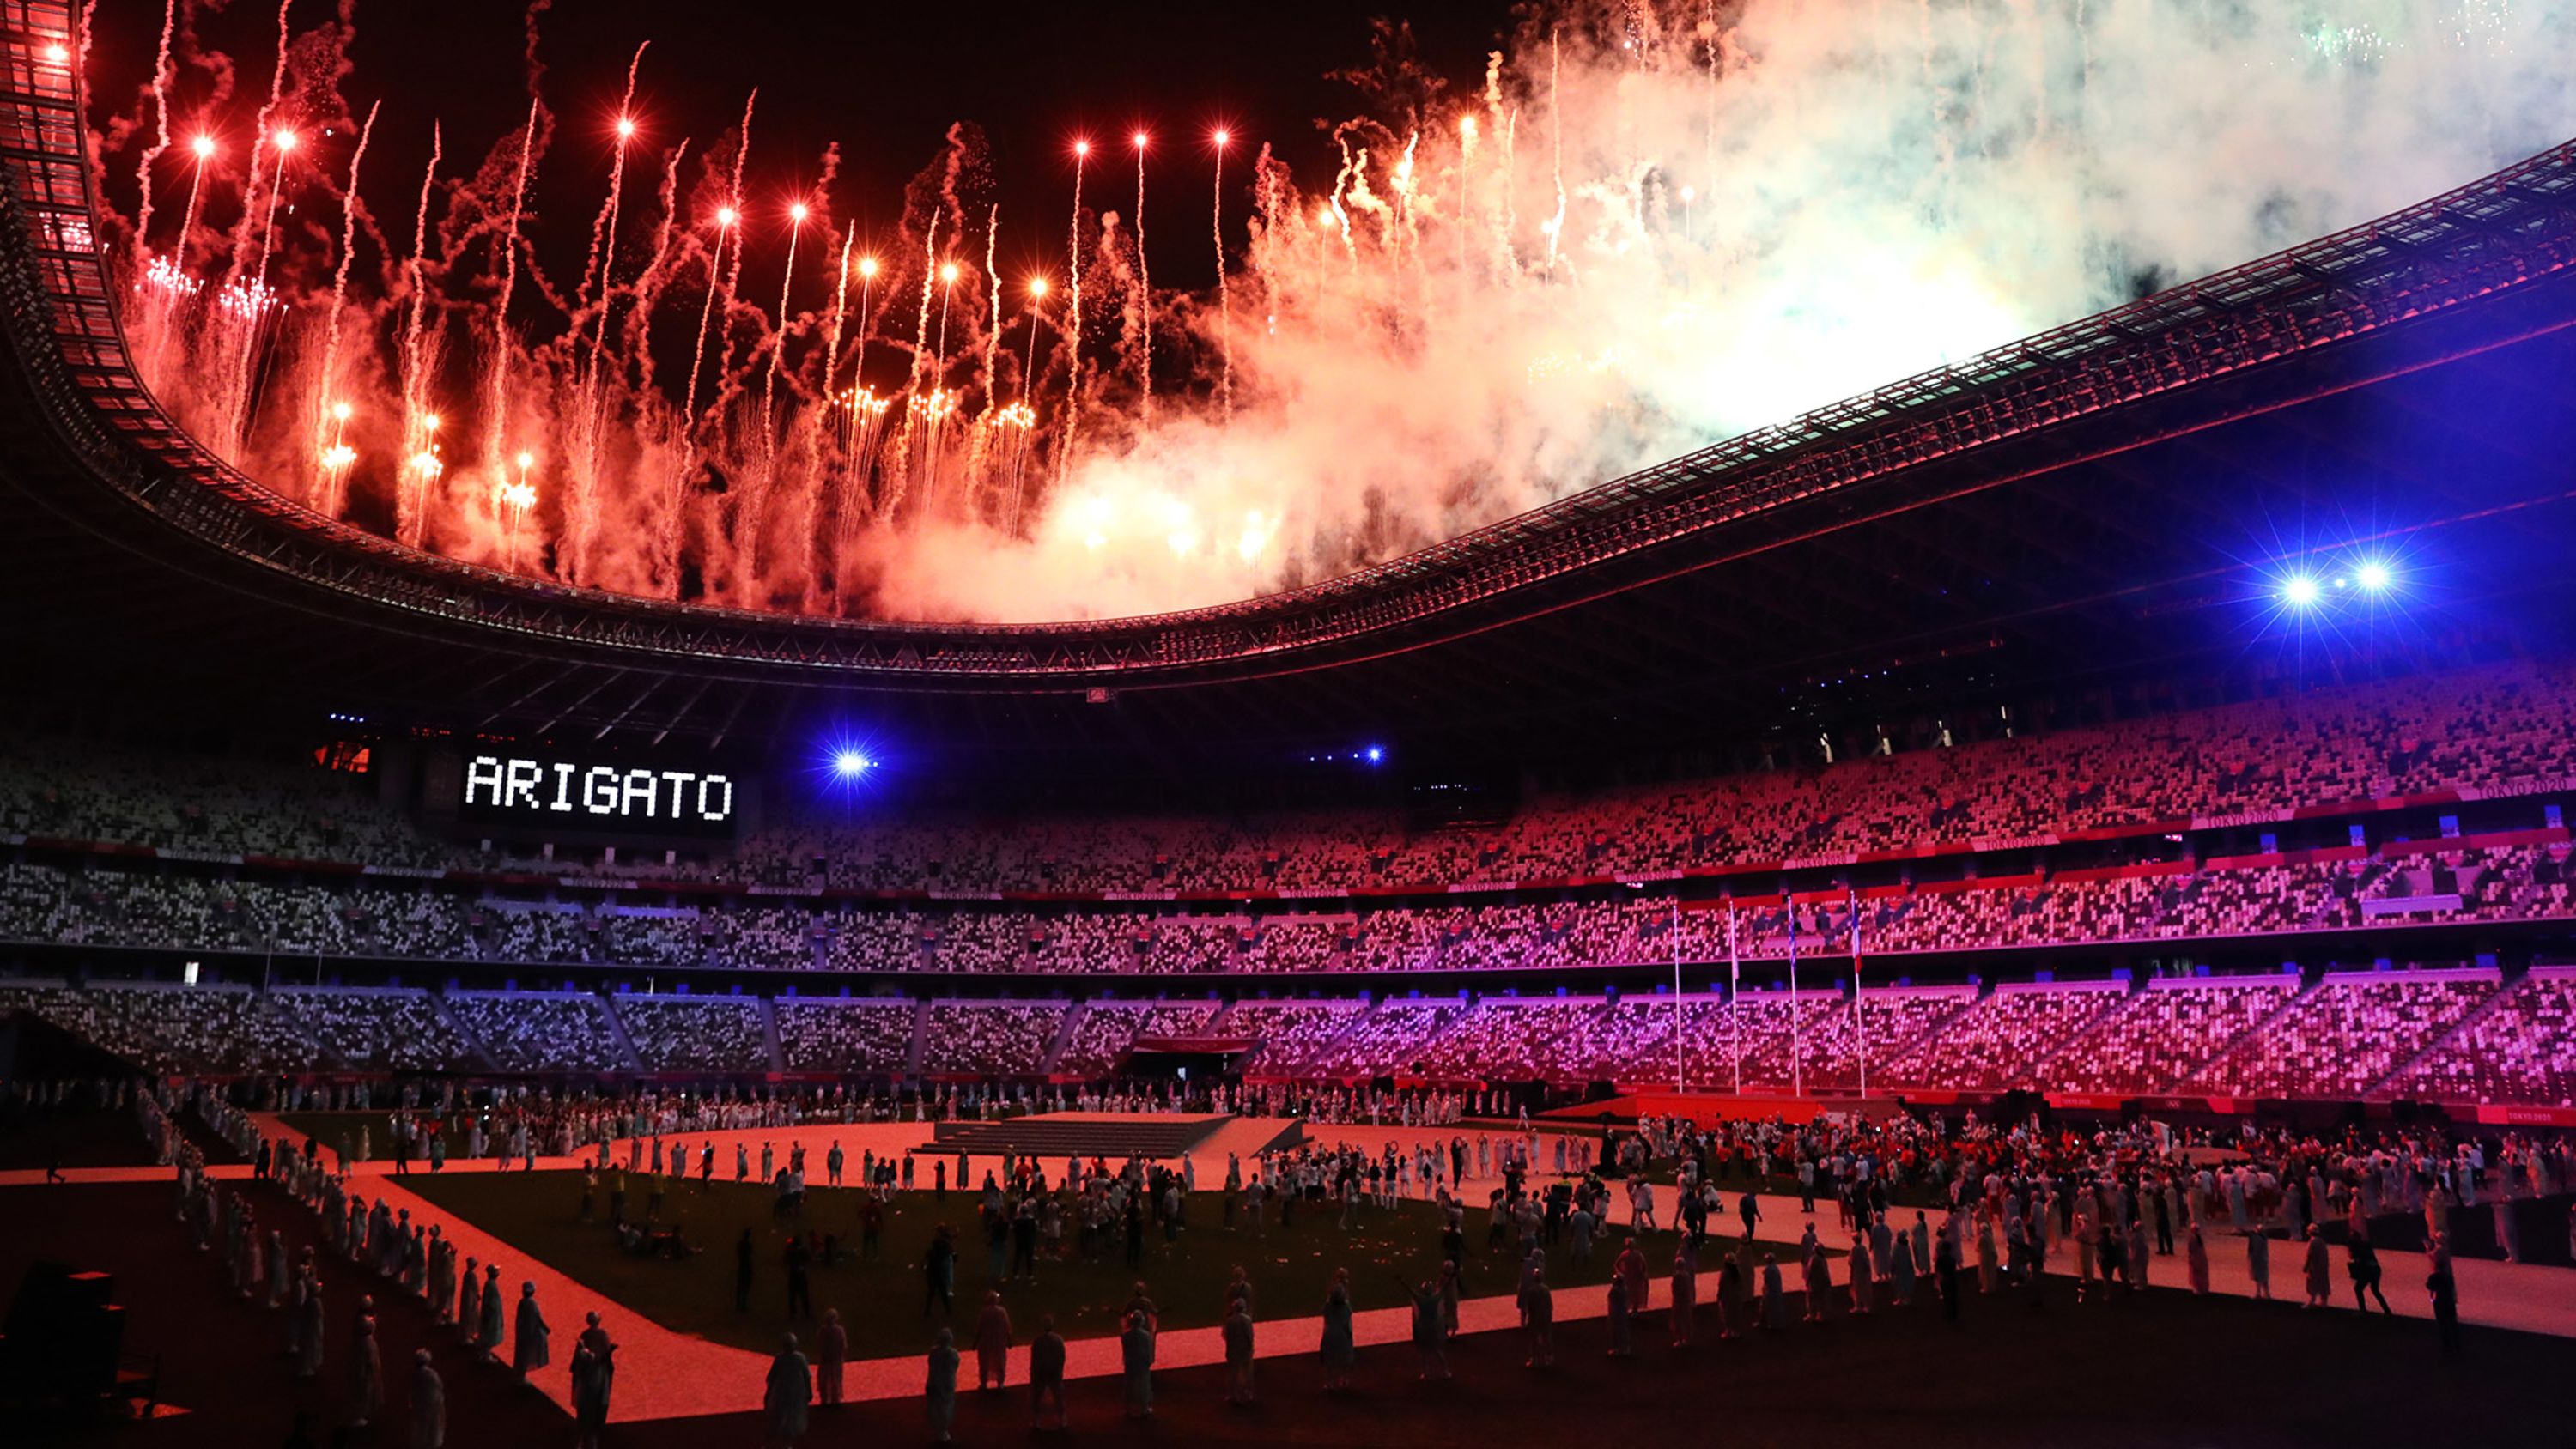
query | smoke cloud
[1643, 230]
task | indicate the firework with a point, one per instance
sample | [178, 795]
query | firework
[1144, 293]
[1073, 316]
[1224, 298]
[1714, 244]
[335, 475]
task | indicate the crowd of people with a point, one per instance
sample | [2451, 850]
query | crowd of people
[2442, 1033]
[1692, 1222]
[172, 907]
[2484, 730]
[1931, 1210]
[2484, 733]
[495, 1322]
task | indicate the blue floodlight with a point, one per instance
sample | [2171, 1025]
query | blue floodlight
[850, 764]
[1376, 753]
[2299, 591]
[2374, 576]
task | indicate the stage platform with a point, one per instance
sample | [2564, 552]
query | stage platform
[1112, 1135]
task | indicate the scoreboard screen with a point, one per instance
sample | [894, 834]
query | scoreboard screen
[555, 792]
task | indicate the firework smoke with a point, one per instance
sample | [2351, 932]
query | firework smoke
[1736, 212]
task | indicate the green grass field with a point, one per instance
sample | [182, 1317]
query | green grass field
[881, 1299]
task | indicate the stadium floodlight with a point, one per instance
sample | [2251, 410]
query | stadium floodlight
[2299, 591]
[850, 764]
[2374, 576]
[1376, 754]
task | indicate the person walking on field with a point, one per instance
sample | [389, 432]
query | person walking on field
[831, 1356]
[1337, 1348]
[1631, 1266]
[2319, 1278]
[428, 1404]
[939, 1393]
[992, 1344]
[1136, 1359]
[2445, 1291]
[1238, 1353]
[528, 1353]
[2363, 1264]
[790, 1389]
[1046, 1374]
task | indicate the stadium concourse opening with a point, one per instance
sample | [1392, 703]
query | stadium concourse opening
[538, 904]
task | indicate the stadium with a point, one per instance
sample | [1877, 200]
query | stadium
[1847, 931]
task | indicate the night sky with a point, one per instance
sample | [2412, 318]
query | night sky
[884, 81]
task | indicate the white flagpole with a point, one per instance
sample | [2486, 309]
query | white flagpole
[1678, 1073]
[1734, 993]
[1860, 1029]
[1797, 1037]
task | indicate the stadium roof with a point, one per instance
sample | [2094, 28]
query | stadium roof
[2056, 504]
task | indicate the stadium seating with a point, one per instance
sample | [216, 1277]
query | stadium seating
[2493, 731]
[2520, 1049]
[1504, 1039]
[115, 863]
[1998, 1043]
[383, 1029]
[860, 1037]
[1108, 1028]
[2345, 1034]
[1390, 1039]
[525, 1031]
[2157, 1037]
[163, 909]
[695, 1033]
[2441, 1034]
[989, 1039]
[1827, 1046]
[1290, 1035]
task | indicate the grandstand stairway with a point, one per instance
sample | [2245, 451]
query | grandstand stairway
[1351, 1024]
[2504, 988]
[1111, 1135]
[617, 1031]
[2289, 1002]
[482, 1055]
[769, 1036]
[2048, 1052]
[1896, 1050]
[1064, 1037]
[2190, 1081]
[912, 1054]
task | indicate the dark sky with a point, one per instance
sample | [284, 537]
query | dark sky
[884, 81]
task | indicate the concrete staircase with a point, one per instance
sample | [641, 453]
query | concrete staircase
[2238, 1042]
[769, 1035]
[482, 1054]
[1063, 1037]
[912, 1058]
[617, 1030]
[2502, 991]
